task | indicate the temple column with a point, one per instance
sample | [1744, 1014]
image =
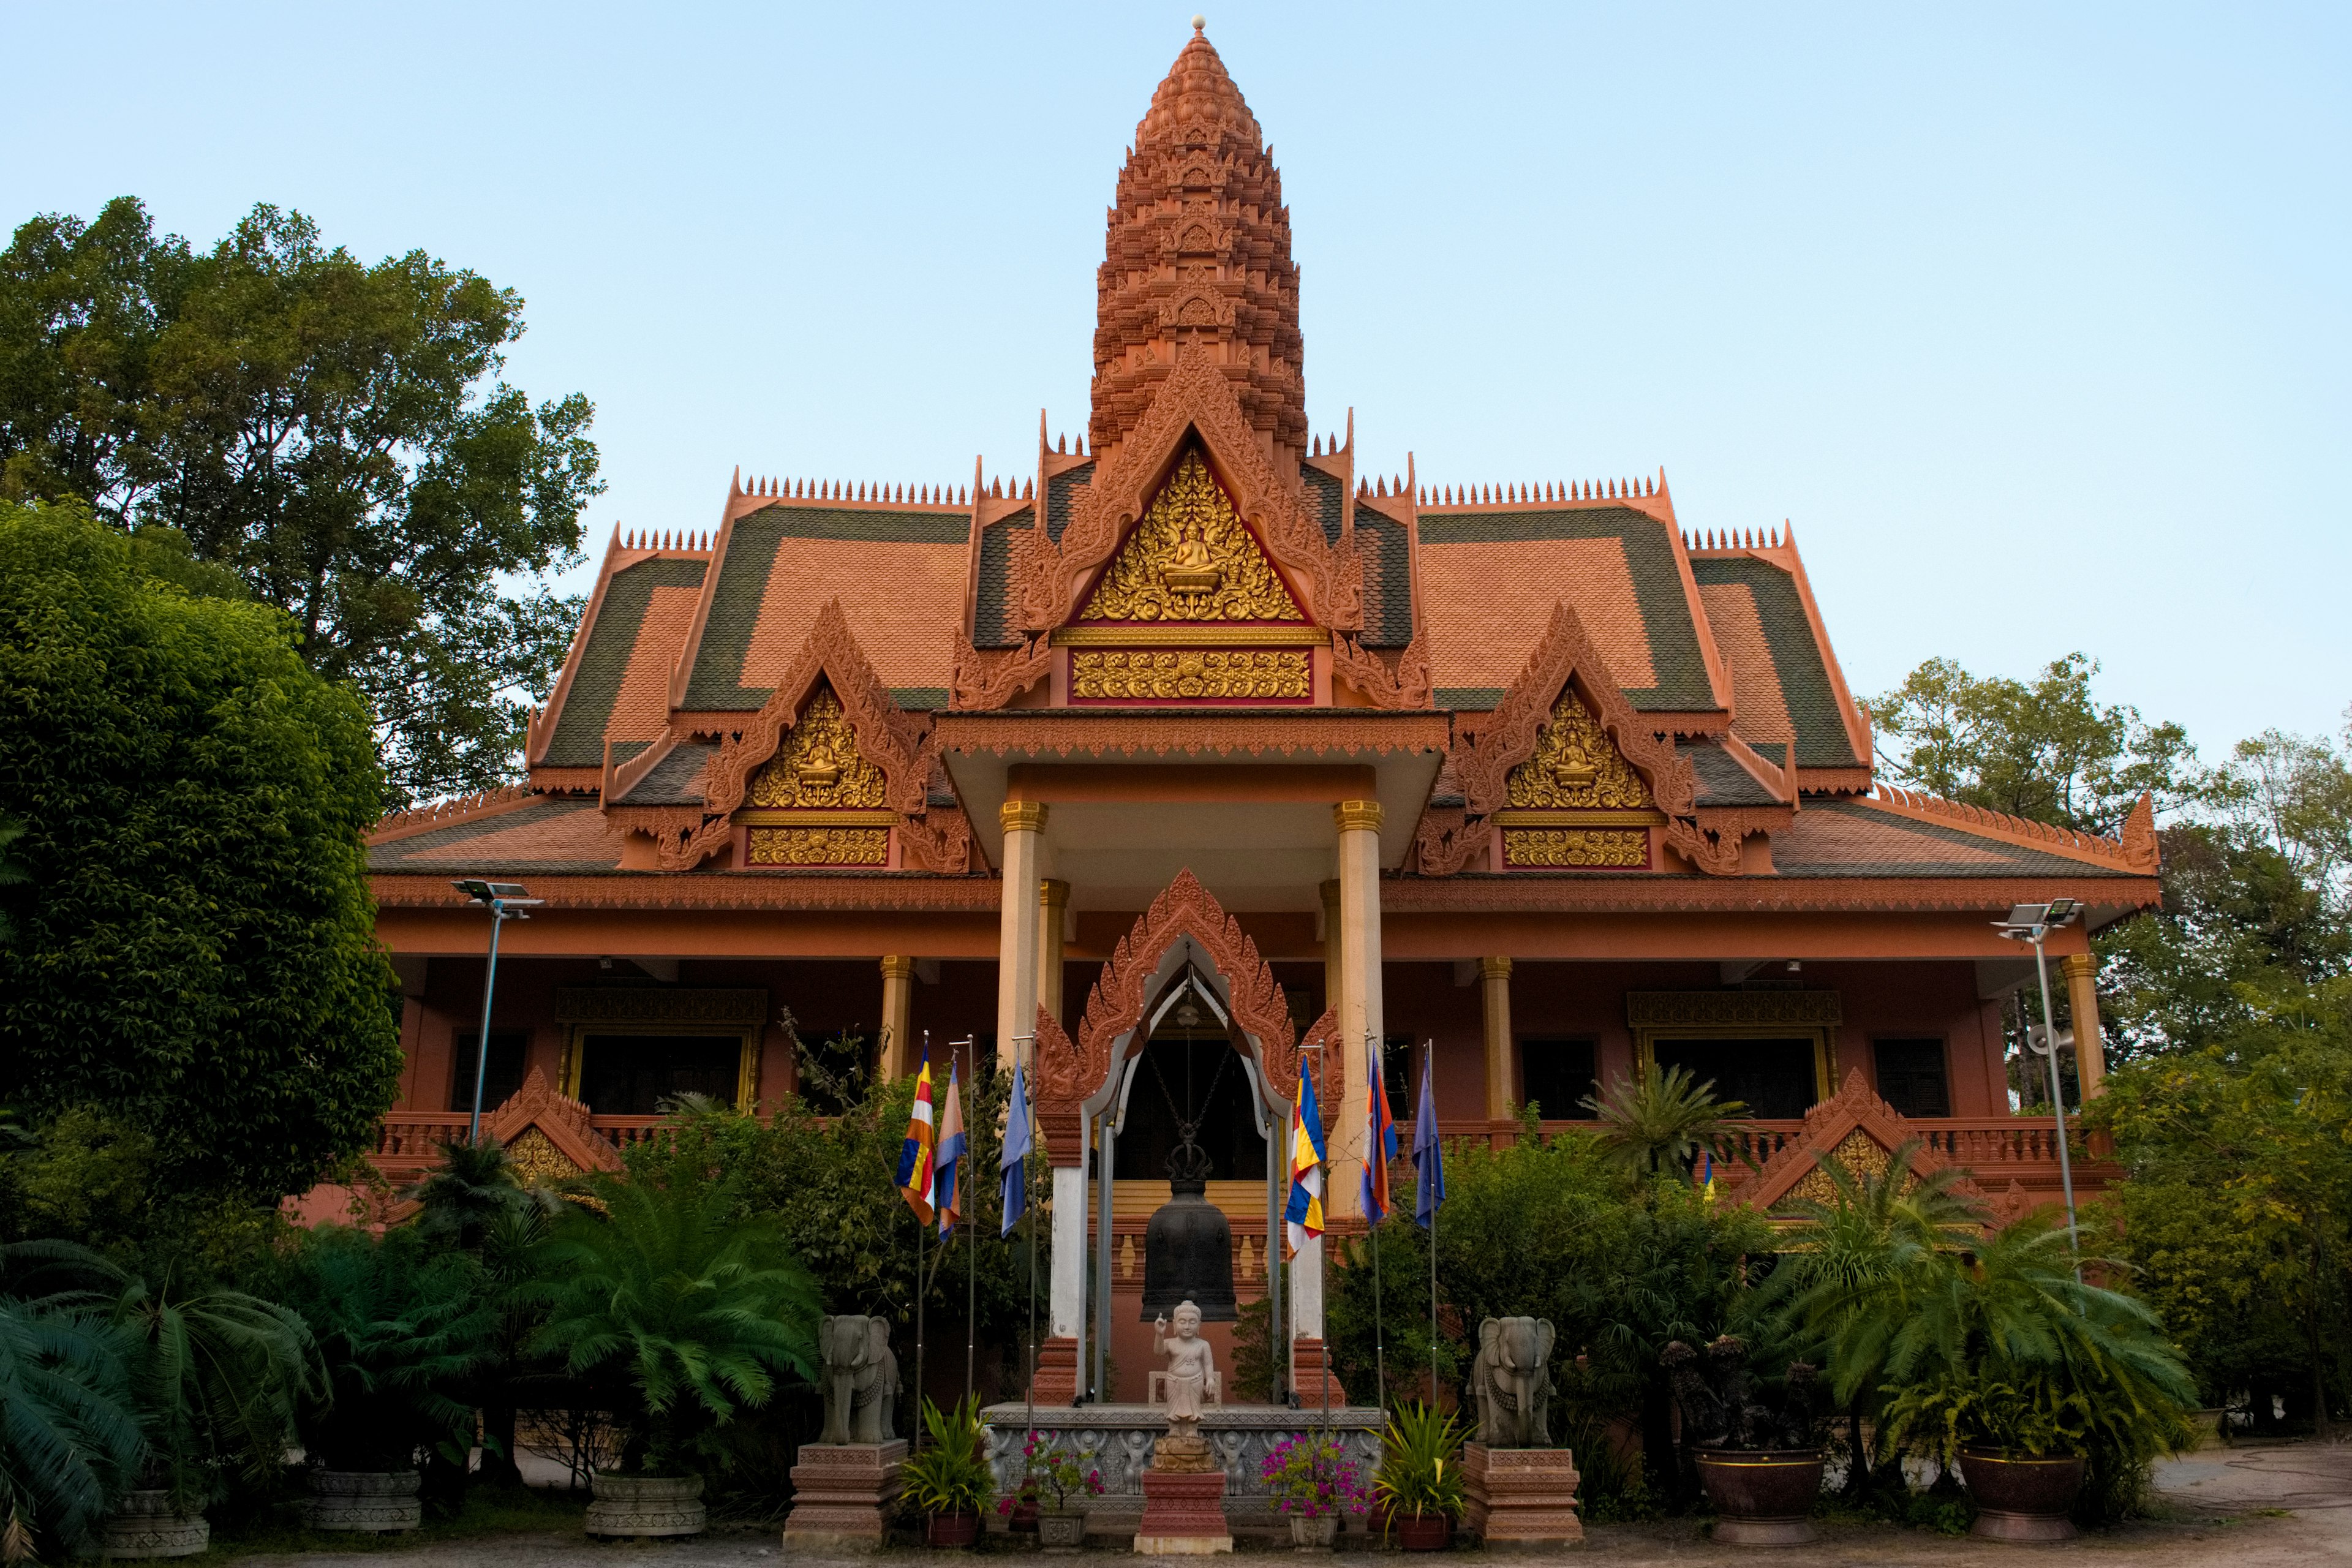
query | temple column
[1052, 899]
[898, 1016]
[1358, 1005]
[1018, 937]
[1495, 990]
[2081, 972]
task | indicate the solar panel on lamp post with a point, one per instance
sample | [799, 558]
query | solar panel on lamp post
[506, 902]
[2034, 923]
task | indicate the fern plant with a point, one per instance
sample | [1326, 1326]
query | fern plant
[692, 1310]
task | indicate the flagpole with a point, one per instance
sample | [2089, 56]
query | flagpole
[1377, 1150]
[1437, 1152]
[1323, 1348]
[921, 1225]
[1029, 1210]
[971, 1232]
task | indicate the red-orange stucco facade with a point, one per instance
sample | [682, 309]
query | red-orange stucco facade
[1530, 773]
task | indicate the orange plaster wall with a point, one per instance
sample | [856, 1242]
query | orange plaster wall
[1421, 1000]
[694, 933]
[1703, 934]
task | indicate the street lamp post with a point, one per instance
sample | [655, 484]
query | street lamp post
[506, 902]
[2034, 923]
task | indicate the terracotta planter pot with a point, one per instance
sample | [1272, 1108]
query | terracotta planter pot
[1422, 1532]
[951, 1530]
[1314, 1534]
[379, 1501]
[1023, 1519]
[1061, 1531]
[143, 1525]
[1761, 1497]
[647, 1506]
[2021, 1499]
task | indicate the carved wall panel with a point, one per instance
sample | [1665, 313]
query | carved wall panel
[820, 846]
[1610, 849]
[1159, 675]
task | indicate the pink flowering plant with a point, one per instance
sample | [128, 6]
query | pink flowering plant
[1056, 1474]
[1311, 1478]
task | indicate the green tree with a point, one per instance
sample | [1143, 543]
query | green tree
[196, 952]
[333, 434]
[2045, 748]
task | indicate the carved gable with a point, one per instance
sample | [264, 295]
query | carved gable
[1192, 559]
[1576, 766]
[819, 767]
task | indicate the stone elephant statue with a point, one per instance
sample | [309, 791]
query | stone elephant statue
[861, 1380]
[1511, 1381]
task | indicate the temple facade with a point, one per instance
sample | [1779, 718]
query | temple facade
[1191, 750]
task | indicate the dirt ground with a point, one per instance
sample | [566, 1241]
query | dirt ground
[2280, 1506]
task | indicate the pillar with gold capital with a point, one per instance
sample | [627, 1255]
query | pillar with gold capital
[1494, 991]
[2081, 972]
[896, 1058]
[1052, 900]
[1357, 1007]
[1020, 932]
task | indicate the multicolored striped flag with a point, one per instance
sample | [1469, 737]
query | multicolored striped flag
[915, 1158]
[1303, 1220]
[1384, 1145]
[946, 1189]
[1013, 1161]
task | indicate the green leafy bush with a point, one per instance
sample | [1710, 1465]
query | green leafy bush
[690, 1310]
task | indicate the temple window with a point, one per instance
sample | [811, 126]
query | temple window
[1911, 1076]
[1556, 1075]
[1400, 1070]
[632, 1073]
[509, 1049]
[1775, 1079]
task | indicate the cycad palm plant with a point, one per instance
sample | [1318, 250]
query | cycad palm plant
[1664, 1121]
[70, 1439]
[697, 1310]
[1853, 1270]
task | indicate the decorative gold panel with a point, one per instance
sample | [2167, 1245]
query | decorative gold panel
[818, 762]
[1862, 1158]
[1192, 559]
[538, 1162]
[820, 846]
[1166, 674]
[1576, 766]
[1615, 848]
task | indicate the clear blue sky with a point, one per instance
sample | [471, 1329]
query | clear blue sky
[2035, 321]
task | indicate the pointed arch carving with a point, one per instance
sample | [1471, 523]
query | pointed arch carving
[1196, 400]
[1485, 756]
[1832, 1127]
[1069, 1073]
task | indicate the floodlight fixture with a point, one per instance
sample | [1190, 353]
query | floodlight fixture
[506, 902]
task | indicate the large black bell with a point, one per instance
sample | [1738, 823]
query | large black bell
[1188, 1248]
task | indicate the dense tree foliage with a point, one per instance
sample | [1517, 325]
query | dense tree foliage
[194, 951]
[331, 434]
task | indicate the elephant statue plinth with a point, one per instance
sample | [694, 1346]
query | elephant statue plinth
[861, 1380]
[1511, 1381]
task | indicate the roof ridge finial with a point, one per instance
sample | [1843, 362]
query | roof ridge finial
[1200, 23]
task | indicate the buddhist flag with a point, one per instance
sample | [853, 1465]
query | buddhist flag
[1428, 1155]
[915, 1158]
[1014, 1162]
[948, 1196]
[1304, 1219]
[1383, 1146]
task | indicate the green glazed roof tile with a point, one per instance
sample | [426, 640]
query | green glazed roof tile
[579, 740]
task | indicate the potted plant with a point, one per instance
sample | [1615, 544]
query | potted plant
[1758, 1452]
[690, 1311]
[1419, 1482]
[1048, 1481]
[398, 1325]
[1312, 1481]
[2020, 1449]
[948, 1480]
[218, 1375]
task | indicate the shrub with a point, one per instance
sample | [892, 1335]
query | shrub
[1421, 1463]
[950, 1474]
[1312, 1478]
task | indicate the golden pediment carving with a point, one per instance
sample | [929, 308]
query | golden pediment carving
[1576, 766]
[1612, 848]
[1862, 1157]
[820, 846]
[1159, 675]
[817, 764]
[1192, 559]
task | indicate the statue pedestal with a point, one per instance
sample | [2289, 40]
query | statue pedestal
[1184, 1500]
[1520, 1499]
[839, 1494]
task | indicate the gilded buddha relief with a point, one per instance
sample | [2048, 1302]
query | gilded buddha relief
[1576, 767]
[1192, 559]
[818, 764]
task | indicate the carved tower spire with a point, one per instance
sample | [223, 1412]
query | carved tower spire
[1199, 258]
